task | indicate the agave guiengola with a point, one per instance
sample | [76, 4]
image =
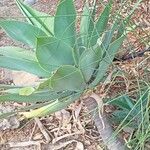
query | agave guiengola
[68, 61]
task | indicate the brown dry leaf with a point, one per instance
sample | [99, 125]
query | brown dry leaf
[60, 145]
[76, 119]
[57, 139]
[38, 136]
[98, 147]
[63, 116]
[77, 111]
[21, 78]
[79, 146]
[66, 117]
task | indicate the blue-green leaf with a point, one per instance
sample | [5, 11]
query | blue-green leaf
[17, 52]
[67, 78]
[39, 19]
[107, 60]
[64, 22]
[53, 107]
[85, 22]
[53, 53]
[23, 65]
[21, 31]
[89, 60]
[34, 97]
[100, 25]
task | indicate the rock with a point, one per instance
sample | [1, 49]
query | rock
[30, 2]
[21, 78]
[11, 122]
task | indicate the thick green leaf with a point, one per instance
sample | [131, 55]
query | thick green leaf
[44, 85]
[17, 52]
[124, 102]
[53, 53]
[89, 60]
[26, 108]
[52, 107]
[21, 31]
[35, 97]
[23, 65]
[16, 58]
[11, 90]
[67, 78]
[5, 86]
[107, 60]
[64, 22]
[108, 36]
[85, 22]
[100, 25]
[26, 91]
[39, 19]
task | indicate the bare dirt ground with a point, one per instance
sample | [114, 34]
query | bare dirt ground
[70, 129]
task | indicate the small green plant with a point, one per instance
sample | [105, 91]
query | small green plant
[133, 113]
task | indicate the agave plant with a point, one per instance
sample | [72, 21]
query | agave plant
[70, 62]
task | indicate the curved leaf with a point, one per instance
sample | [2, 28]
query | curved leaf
[16, 58]
[108, 35]
[23, 65]
[53, 53]
[107, 60]
[44, 85]
[100, 25]
[39, 19]
[52, 107]
[89, 60]
[85, 22]
[26, 91]
[35, 97]
[21, 31]
[17, 52]
[67, 78]
[64, 22]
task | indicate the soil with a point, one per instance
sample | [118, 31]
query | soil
[74, 122]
